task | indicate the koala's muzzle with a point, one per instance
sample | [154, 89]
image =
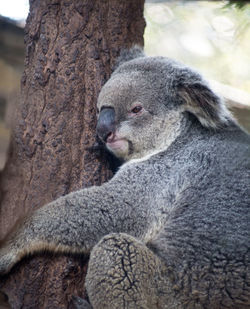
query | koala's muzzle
[106, 123]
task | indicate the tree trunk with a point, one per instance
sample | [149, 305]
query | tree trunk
[70, 49]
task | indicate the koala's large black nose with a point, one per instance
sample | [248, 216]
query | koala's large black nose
[106, 123]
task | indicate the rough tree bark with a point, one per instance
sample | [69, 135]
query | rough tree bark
[70, 49]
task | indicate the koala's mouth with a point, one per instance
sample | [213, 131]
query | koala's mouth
[117, 145]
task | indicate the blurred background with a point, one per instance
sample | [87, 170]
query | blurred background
[211, 36]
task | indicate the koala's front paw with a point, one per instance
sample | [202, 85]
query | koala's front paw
[7, 259]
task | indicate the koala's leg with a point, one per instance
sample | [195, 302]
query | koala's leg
[124, 273]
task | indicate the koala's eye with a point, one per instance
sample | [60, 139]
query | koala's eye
[137, 109]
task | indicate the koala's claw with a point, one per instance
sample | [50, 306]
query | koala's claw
[80, 303]
[4, 303]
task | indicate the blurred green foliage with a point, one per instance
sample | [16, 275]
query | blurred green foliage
[237, 3]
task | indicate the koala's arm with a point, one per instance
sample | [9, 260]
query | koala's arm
[77, 221]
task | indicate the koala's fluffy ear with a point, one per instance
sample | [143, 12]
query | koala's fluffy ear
[202, 102]
[128, 54]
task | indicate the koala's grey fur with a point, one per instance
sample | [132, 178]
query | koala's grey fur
[172, 228]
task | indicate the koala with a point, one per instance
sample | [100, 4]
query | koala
[171, 229]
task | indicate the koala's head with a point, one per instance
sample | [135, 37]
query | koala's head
[146, 102]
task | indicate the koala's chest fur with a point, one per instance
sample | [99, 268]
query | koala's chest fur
[196, 177]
